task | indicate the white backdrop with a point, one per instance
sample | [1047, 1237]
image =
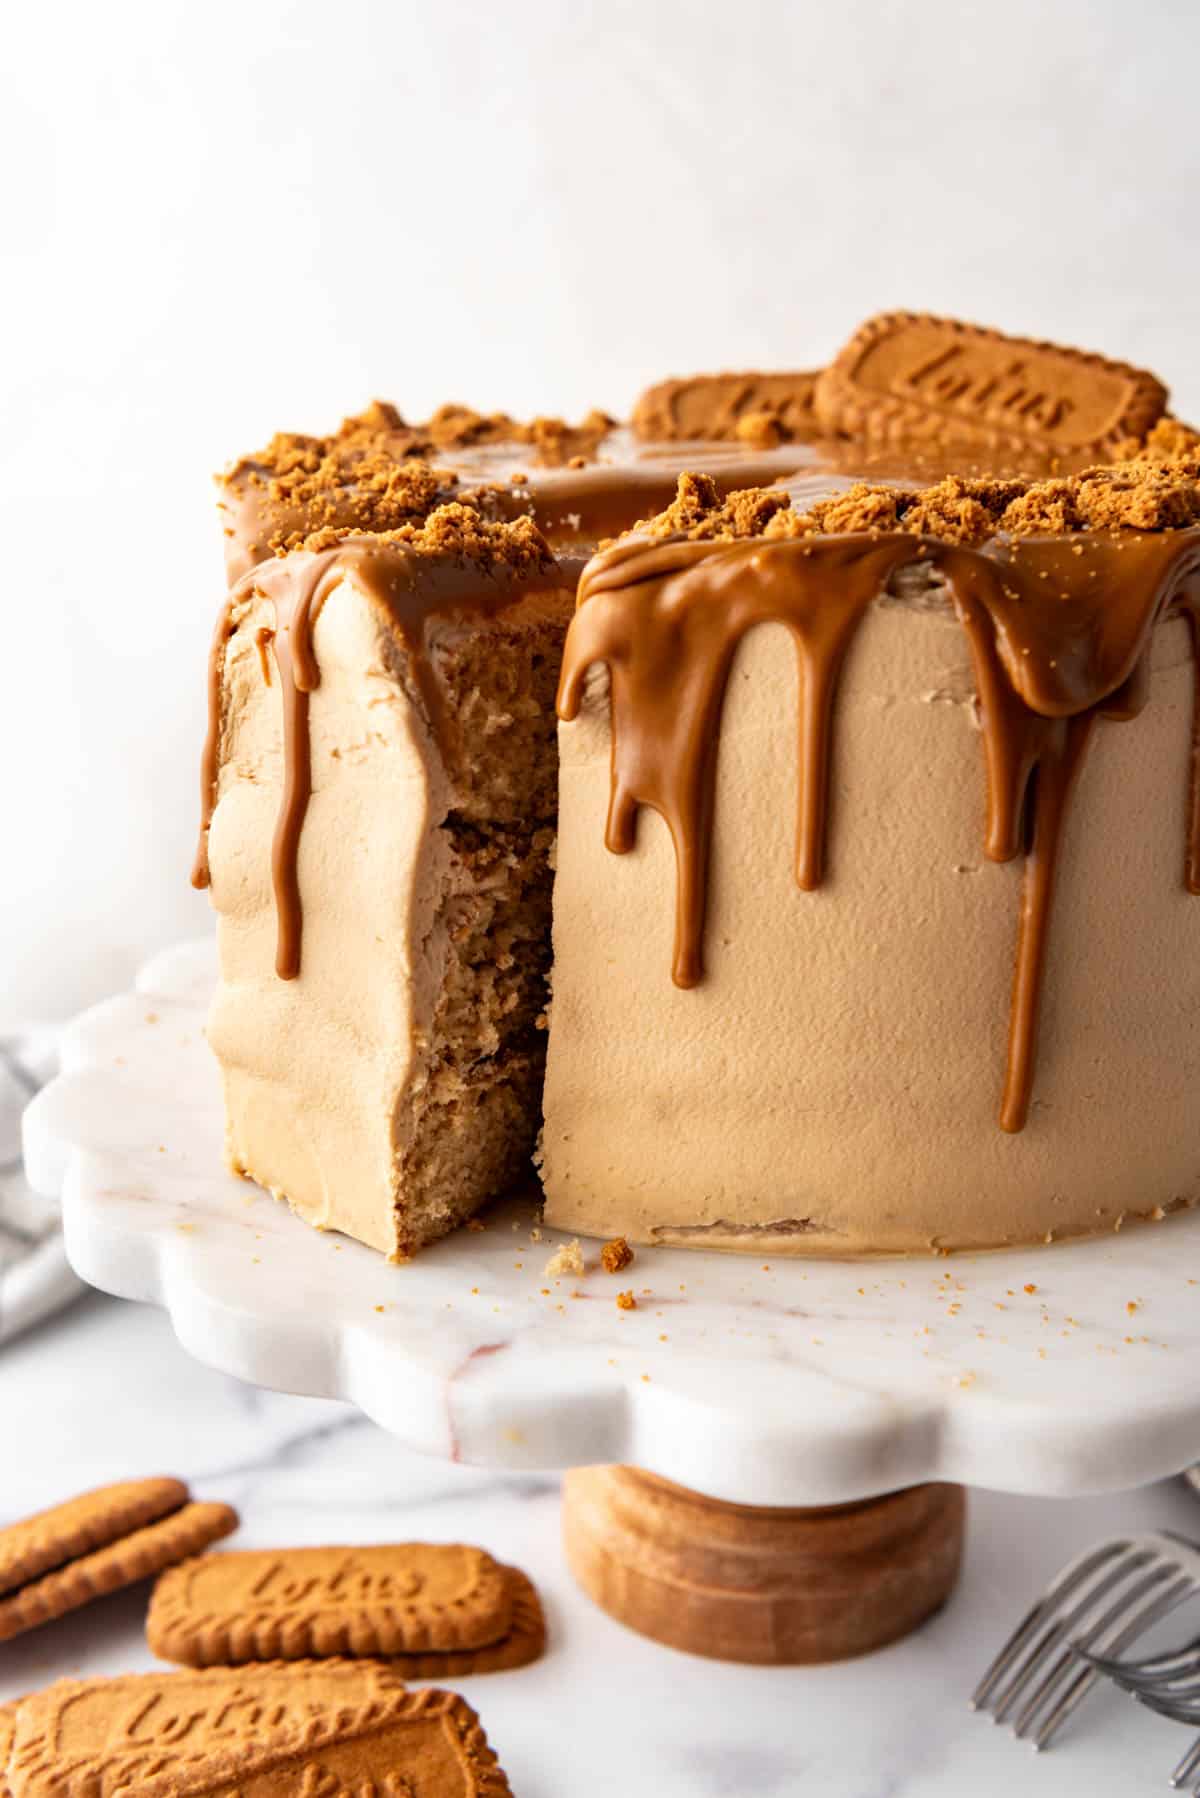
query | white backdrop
[224, 218]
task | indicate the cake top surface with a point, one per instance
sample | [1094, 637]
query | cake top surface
[920, 424]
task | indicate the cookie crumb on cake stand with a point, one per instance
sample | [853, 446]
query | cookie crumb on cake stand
[829, 1412]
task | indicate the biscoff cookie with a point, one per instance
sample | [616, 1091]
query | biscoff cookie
[525, 1642]
[286, 1604]
[908, 379]
[137, 1556]
[8, 1730]
[81, 1737]
[50, 1539]
[429, 1743]
[728, 407]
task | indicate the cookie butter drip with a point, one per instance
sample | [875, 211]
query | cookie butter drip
[298, 676]
[210, 755]
[1058, 763]
[1057, 629]
[454, 563]
[667, 621]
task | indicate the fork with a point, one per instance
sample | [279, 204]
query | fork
[1096, 1607]
[1169, 1684]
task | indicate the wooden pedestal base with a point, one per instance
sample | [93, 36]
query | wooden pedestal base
[778, 1587]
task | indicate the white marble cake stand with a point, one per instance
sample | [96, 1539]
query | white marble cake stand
[780, 1384]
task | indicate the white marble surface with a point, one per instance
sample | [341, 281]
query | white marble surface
[1047, 1371]
[106, 1391]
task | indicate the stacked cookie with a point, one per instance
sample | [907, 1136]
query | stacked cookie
[297, 1659]
[97, 1543]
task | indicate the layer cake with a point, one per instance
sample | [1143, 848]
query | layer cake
[896, 950]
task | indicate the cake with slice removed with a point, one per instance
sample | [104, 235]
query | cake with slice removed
[752, 1044]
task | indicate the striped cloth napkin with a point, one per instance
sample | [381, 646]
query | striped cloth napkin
[35, 1278]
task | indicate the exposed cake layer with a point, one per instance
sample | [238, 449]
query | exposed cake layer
[941, 650]
[384, 936]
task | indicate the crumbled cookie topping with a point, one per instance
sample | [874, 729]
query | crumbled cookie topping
[459, 529]
[1156, 493]
[376, 472]
[372, 474]
[1170, 440]
[698, 511]
[553, 440]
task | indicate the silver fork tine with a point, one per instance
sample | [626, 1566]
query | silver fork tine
[1179, 1710]
[1189, 1765]
[1062, 1627]
[1174, 1665]
[1175, 1674]
[1062, 1588]
[1150, 1614]
[1095, 1629]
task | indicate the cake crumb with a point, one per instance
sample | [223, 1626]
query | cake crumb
[626, 1301]
[566, 1259]
[1031, 1288]
[616, 1255]
[476, 1226]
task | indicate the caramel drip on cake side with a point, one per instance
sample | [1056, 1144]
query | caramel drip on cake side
[210, 755]
[668, 621]
[411, 590]
[1057, 630]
